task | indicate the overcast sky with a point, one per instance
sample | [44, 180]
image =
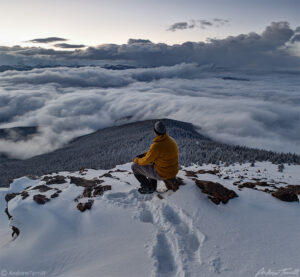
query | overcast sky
[94, 22]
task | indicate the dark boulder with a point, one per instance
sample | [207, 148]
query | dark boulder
[252, 185]
[213, 172]
[87, 192]
[57, 179]
[10, 196]
[54, 195]
[286, 194]
[294, 188]
[7, 213]
[84, 182]
[190, 173]
[16, 231]
[108, 175]
[174, 184]
[24, 194]
[107, 187]
[40, 199]
[41, 188]
[217, 193]
[85, 206]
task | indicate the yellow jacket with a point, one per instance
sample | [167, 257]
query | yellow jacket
[164, 153]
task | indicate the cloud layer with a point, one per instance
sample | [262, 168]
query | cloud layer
[196, 82]
[68, 102]
[277, 47]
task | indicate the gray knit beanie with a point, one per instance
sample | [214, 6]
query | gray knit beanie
[159, 128]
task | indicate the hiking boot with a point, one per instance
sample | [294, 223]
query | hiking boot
[153, 183]
[145, 190]
[142, 179]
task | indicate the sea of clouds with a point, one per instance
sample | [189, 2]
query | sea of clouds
[67, 102]
[183, 82]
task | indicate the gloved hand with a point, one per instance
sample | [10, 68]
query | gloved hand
[141, 155]
[135, 160]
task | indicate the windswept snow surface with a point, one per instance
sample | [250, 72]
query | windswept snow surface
[129, 234]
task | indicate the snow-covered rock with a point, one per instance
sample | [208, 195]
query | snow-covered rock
[124, 233]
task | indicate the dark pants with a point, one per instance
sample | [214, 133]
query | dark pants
[146, 175]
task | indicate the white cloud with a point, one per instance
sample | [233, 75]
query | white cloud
[68, 102]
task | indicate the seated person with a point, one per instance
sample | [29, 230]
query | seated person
[160, 162]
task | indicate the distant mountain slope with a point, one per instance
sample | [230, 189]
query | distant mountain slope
[120, 144]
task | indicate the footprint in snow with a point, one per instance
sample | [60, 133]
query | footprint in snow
[163, 257]
[127, 198]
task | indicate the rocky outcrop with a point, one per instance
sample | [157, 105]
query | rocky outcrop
[16, 231]
[40, 199]
[109, 175]
[93, 191]
[57, 179]
[190, 173]
[254, 184]
[217, 193]
[7, 213]
[85, 206]
[24, 194]
[174, 184]
[99, 190]
[294, 188]
[92, 188]
[10, 196]
[84, 182]
[288, 194]
[41, 188]
[54, 195]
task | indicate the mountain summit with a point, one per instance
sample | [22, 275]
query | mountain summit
[222, 221]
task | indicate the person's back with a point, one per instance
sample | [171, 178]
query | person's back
[166, 164]
[160, 162]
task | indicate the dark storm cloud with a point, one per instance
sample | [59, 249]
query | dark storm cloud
[47, 40]
[200, 23]
[67, 45]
